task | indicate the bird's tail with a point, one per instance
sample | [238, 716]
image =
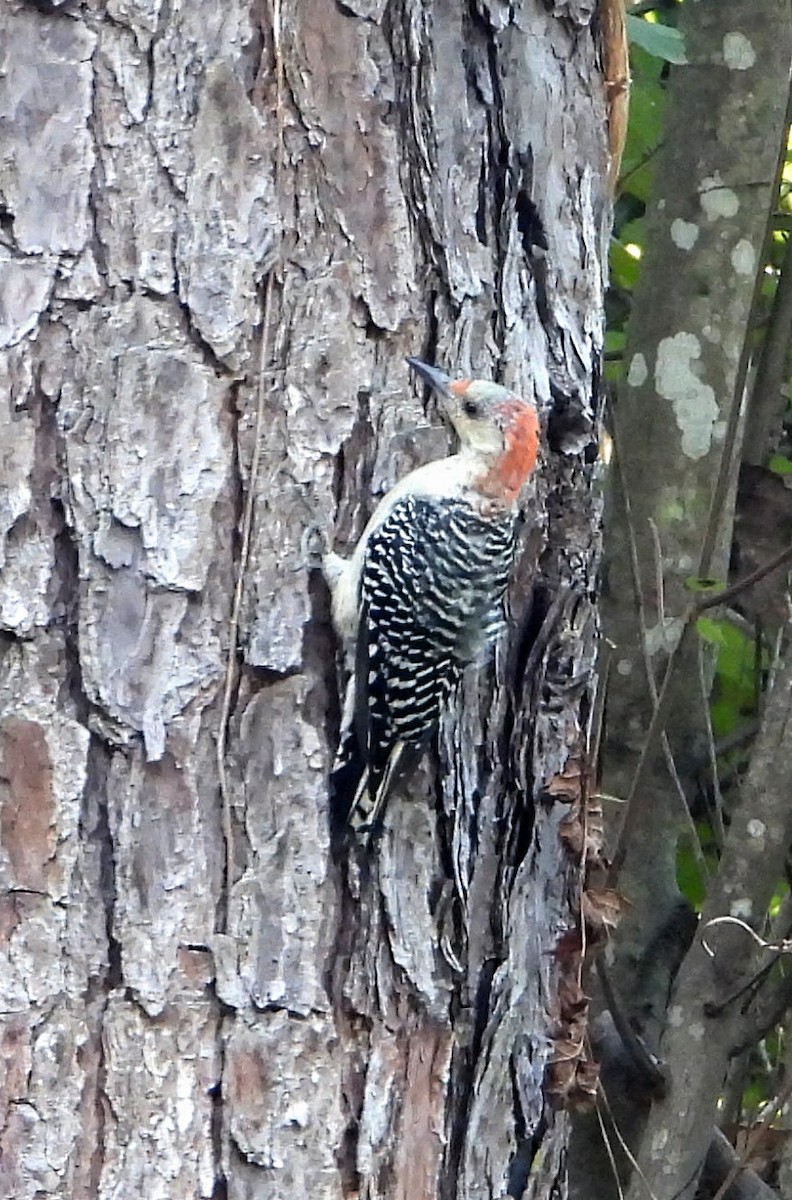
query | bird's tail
[359, 792]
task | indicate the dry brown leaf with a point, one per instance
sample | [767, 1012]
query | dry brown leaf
[568, 785]
[588, 1073]
[595, 825]
[566, 1049]
[568, 946]
[603, 908]
[572, 1000]
[582, 1096]
[560, 1078]
[572, 1083]
[572, 832]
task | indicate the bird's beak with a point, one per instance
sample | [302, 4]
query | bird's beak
[435, 378]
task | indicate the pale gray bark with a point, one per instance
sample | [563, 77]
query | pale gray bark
[170, 1032]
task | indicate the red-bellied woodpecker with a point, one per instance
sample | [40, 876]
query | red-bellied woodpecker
[422, 596]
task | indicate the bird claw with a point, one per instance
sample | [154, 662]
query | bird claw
[371, 834]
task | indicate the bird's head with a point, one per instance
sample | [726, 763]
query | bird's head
[493, 423]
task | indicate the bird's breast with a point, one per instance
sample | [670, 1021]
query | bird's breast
[438, 570]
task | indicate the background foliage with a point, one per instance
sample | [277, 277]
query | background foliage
[738, 644]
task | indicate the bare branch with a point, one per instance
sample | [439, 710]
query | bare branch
[752, 862]
[754, 1141]
[712, 600]
[717, 803]
[719, 1163]
[769, 1009]
[661, 700]
[768, 397]
[645, 1063]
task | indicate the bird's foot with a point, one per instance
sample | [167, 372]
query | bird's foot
[371, 834]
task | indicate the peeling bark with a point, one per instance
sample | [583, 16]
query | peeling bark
[420, 178]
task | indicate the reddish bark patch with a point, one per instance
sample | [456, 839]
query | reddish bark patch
[421, 1143]
[27, 816]
[197, 966]
[15, 1055]
[15, 1064]
[9, 918]
[94, 1109]
[166, 788]
[248, 1082]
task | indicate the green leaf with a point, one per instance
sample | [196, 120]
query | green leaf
[690, 880]
[661, 41]
[646, 69]
[624, 267]
[710, 629]
[780, 465]
[694, 584]
[724, 716]
[647, 103]
[736, 650]
[734, 695]
[778, 898]
[633, 233]
[615, 341]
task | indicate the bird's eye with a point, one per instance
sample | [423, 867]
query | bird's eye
[471, 408]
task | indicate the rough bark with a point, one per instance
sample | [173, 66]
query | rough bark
[412, 178]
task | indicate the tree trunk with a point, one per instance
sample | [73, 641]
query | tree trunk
[184, 1017]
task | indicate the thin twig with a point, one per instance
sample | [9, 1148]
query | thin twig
[609, 1149]
[658, 565]
[582, 887]
[759, 978]
[782, 947]
[717, 806]
[594, 731]
[633, 1161]
[754, 1139]
[726, 472]
[707, 600]
[700, 604]
[596, 722]
[644, 160]
[247, 513]
[655, 728]
[239, 590]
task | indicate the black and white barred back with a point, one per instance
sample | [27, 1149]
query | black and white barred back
[433, 583]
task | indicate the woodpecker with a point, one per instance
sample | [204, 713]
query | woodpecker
[421, 597]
